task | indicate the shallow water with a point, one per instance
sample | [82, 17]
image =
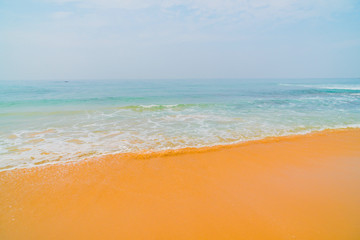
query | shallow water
[50, 121]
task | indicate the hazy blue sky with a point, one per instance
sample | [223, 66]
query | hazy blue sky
[98, 39]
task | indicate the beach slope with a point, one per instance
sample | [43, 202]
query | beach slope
[299, 187]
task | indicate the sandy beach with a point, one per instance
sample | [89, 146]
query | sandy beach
[299, 187]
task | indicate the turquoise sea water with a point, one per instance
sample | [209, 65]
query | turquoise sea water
[45, 122]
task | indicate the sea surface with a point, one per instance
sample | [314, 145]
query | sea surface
[44, 122]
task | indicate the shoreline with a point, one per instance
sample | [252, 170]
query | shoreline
[186, 150]
[292, 187]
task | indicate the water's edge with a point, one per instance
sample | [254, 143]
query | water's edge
[177, 151]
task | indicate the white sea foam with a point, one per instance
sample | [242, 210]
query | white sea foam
[106, 134]
[327, 86]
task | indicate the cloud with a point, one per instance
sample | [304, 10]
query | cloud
[255, 8]
[61, 15]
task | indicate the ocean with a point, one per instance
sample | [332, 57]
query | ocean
[45, 122]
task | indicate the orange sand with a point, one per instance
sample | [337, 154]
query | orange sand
[302, 187]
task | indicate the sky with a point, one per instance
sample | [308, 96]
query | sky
[178, 39]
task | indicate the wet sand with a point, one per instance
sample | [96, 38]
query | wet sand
[300, 187]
